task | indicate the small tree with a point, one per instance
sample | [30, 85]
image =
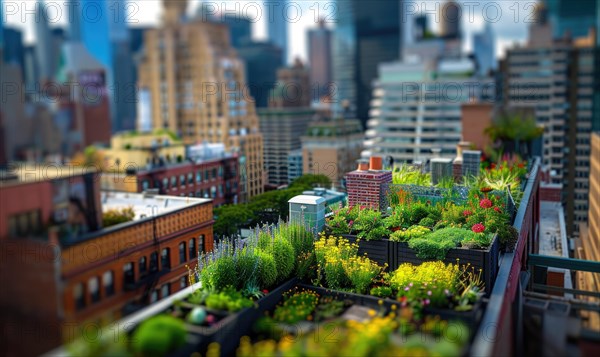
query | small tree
[514, 133]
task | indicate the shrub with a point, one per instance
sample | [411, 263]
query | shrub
[301, 238]
[381, 291]
[361, 271]
[400, 218]
[407, 234]
[159, 335]
[342, 220]
[267, 269]
[285, 258]
[224, 273]
[508, 237]
[117, 216]
[247, 266]
[418, 211]
[228, 300]
[306, 267]
[370, 225]
[427, 222]
[438, 243]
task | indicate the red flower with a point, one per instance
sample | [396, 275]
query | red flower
[265, 291]
[485, 203]
[497, 209]
[520, 165]
[467, 213]
[478, 228]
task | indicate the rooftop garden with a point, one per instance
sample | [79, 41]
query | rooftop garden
[411, 280]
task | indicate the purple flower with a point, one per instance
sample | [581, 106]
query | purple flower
[406, 288]
[427, 301]
[447, 292]
[429, 293]
[410, 284]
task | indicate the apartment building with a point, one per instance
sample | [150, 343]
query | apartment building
[197, 88]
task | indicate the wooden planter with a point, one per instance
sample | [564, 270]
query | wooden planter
[484, 259]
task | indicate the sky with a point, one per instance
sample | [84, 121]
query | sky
[509, 18]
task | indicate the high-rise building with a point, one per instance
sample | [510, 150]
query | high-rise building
[417, 108]
[277, 26]
[262, 60]
[367, 33]
[46, 53]
[240, 29]
[556, 79]
[484, 49]
[293, 87]
[319, 57]
[13, 49]
[197, 89]
[332, 148]
[281, 129]
[450, 17]
[574, 20]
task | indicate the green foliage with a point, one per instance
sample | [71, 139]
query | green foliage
[306, 267]
[410, 175]
[342, 220]
[267, 269]
[296, 307]
[508, 236]
[361, 272]
[436, 244]
[159, 336]
[370, 226]
[220, 274]
[301, 238]
[116, 216]
[404, 235]
[285, 258]
[427, 222]
[228, 300]
[247, 265]
[382, 291]
[107, 344]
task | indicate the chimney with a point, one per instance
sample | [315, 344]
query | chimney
[375, 163]
[363, 165]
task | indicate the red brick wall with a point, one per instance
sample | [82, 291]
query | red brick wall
[367, 188]
[550, 193]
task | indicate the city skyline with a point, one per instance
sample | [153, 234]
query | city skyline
[510, 27]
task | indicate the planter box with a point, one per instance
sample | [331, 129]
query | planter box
[377, 250]
[484, 259]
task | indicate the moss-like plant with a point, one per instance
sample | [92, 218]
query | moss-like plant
[436, 244]
[159, 336]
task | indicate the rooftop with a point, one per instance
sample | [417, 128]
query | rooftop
[23, 173]
[146, 205]
[553, 237]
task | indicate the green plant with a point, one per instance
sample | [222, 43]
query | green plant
[105, 345]
[410, 175]
[158, 336]
[381, 291]
[306, 267]
[223, 273]
[229, 300]
[330, 254]
[267, 269]
[405, 235]
[343, 220]
[370, 226]
[361, 271]
[246, 267]
[427, 222]
[436, 244]
[328, 308]
[116, 216]
[283, 253]
[296, 307]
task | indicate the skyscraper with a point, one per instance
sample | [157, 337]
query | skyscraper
[566, 17]
[319, 56]
[262, 60]
[293, 87]
[484, 49]
[196, 83]
[46, 54]
[240, 29]
[366, 34]
[277, 25]
[14, 51]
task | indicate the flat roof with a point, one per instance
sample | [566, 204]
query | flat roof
[553, 236]
[307, 199]
[146, 205]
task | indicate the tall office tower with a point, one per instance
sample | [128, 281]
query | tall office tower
[367, 33]
[417, 108]
[240, 29]
[13, 49]
[293, 87]
[556, 79]
[281, 129]
[46, 54]
[319, 57]
[262, 60]
[450, 17]
[484, 49]
[276, 13]
[73, 11]
[575, 19]
[106, 37]
[196, 85]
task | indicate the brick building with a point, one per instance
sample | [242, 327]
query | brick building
[63, 274]
[368, 185]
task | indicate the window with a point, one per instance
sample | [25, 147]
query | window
[154, 296]
[94, 289]
[183, 281]
[198, 176]
[153, 262]
[128, 274]
[109, 283]
[182, 180]
[165, 259]
[201, 243]
[25, 224]
[190, 178]
[165, 183]
[173, 181]
[145, 185]
[142, 267]
[79, 296]
[165, 290]
[192, 248]
[182, 253]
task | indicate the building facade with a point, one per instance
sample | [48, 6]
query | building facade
[196, 83]
[366, 34]
[416, 108]
[90, 275]
[293, 87]
[262, 59]
[331, 148]
[281, 128]
[556, 79]
[277, 26]
[319, 57]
